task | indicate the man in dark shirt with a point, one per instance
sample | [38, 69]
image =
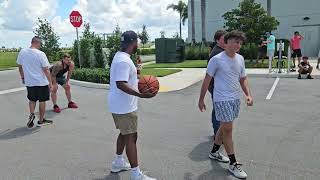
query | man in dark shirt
[218, 48]
[305, 68]
[262, 49]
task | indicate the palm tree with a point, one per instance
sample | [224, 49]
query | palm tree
[203, 20]
[193, 22]
[269, 7]
[182, 9]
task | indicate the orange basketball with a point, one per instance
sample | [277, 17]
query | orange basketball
[148, 82]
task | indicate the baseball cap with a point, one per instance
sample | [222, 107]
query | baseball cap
[128, 37]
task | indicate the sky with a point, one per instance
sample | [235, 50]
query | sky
[18, 18]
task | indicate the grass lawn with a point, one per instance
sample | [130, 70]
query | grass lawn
[184, 64]
[159, 72]
[265, 63]
[203, 64]
[8, 59]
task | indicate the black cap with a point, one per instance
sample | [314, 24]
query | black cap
[128, 37]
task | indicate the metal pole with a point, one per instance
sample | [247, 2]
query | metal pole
[78, 48]
[280, 56]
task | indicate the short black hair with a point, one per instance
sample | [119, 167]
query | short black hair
[305, 57]
[297, 32]
[35, 39]
[239, 35]
[66, 55]
[218, 35]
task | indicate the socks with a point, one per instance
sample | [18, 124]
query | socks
[119, 156]
[119, 159]
[232, 159]
[135, 172]
[215, 148]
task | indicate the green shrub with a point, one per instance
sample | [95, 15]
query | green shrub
[249, 51]
[196, 52]
[97, 75]
[146, 51]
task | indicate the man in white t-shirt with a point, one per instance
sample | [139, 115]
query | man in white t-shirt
[228, 71]
[34, 72]
[123, 104]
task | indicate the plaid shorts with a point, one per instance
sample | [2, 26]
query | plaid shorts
[227, 111]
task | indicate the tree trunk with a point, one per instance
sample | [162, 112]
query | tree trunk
[192, 23]
[203, 20]
[180, 25]
[269, 7]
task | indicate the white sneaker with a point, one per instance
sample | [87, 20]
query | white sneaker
[117, 167]
[142, 177]
[236, 170]
[219, 157]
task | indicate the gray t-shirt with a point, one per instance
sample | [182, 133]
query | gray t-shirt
[227, 73]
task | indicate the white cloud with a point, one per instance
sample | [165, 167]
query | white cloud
[19, 17]
[104, 15]
[22, 14]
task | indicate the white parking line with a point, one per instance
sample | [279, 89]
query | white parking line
[272, 89]
[12, 90]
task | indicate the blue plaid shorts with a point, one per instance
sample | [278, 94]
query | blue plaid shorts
[227, 111]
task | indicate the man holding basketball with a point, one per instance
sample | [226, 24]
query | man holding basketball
[123, 104]
[228, 71]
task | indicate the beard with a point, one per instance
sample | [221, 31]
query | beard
[135, 49]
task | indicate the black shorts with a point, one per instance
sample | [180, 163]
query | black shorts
[296, 53]
[38, 93]
[61, 80]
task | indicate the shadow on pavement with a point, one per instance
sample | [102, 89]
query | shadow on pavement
[111, 176]
[200, 153]
[18, 132]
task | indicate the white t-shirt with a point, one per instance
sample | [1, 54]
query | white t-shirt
[122, 69]
[227, 73]
[33, 61]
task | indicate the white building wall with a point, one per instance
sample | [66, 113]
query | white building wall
[289, 13]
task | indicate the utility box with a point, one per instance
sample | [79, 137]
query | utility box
[169, 50]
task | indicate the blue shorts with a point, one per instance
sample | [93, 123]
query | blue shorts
[227, 111]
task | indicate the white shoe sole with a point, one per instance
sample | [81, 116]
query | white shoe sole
[119, 170]
[235, 175]
[45, 124]
[214, 158]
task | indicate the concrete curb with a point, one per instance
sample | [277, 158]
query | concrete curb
[89, 84]
[284, 75]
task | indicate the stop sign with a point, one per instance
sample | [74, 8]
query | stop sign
[75, 18]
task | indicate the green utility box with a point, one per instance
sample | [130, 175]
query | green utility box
[169, 50]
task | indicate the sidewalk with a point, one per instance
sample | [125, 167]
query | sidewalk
[190, 76]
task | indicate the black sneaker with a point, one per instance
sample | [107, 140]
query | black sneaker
[44, 122]
[309, 77]
[30, 120]
[317, 67]
[299, 76]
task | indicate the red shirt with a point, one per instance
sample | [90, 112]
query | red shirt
[295, 42]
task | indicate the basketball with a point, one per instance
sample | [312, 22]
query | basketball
[148, 82]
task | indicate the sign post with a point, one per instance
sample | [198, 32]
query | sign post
[76, 21]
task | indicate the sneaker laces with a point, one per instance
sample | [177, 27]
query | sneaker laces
[238, 166]
[31, 116]
[219, 156]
